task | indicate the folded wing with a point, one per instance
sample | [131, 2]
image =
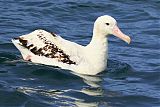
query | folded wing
[50, 45]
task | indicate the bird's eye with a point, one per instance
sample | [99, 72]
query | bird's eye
[107, 24]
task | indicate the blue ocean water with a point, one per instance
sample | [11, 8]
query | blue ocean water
[133, 75]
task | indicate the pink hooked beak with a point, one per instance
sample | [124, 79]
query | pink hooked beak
[117, 32]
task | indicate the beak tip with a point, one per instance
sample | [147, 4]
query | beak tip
[129, 40]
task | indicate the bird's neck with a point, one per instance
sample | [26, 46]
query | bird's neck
[99, 40]
[98, 44]
[97, 51]
[98, 37]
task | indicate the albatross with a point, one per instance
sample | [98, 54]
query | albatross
[48, 48]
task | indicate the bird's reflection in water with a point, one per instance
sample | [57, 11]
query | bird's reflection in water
[94, 85]
[79, 97]
[93, 89]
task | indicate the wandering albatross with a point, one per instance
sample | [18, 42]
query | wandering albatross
[49, 48]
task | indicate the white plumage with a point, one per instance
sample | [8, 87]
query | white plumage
[48, 48]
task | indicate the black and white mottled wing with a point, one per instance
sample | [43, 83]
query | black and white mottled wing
[50, 45]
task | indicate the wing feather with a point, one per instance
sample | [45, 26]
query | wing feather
[50, 45]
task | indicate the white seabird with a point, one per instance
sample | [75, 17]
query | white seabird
[48, 48]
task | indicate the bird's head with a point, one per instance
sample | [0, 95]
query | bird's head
[107, 25]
